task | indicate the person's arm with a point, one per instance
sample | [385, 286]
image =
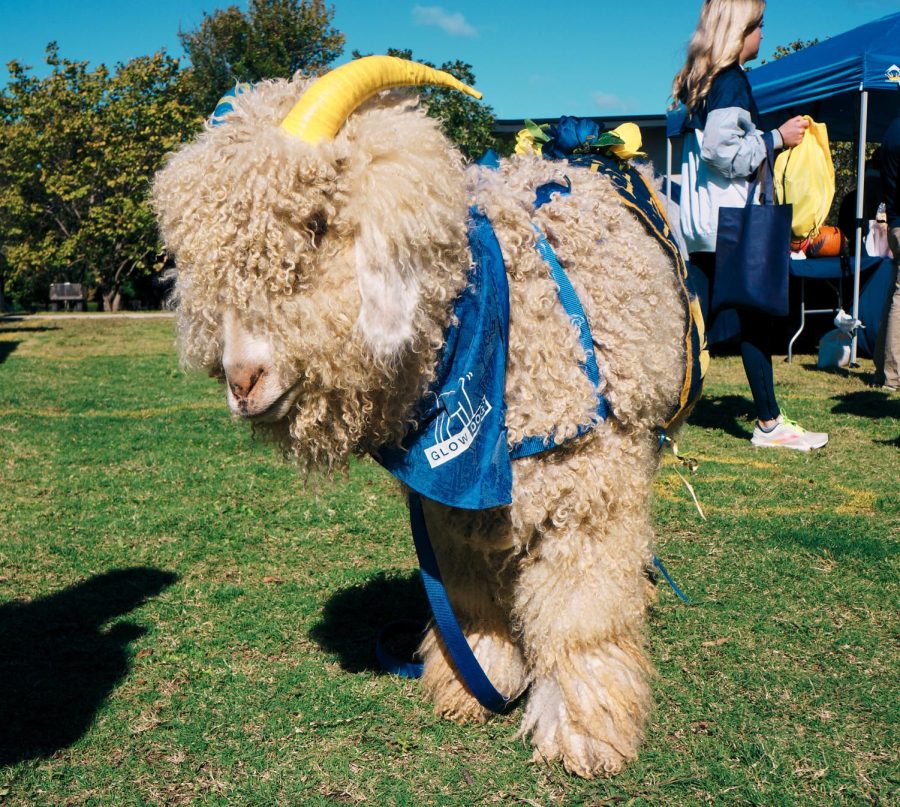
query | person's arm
[732, 144]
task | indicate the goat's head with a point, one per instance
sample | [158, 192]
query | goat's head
[317, 240]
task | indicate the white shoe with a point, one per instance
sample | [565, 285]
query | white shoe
[788, 434]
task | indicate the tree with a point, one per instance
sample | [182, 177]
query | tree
[78, 149]
[792, 47]
[467, 122]
[273, 38]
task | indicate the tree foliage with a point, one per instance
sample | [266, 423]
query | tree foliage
[273, 38]
[78, 149]
[792, 47]
[467, 122]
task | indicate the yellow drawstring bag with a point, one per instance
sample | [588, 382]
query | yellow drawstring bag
[804, 178]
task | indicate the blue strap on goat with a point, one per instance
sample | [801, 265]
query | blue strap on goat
[454, 639]
[568, 297]
[490, 337]
[639, 197]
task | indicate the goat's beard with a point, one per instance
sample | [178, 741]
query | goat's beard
[339, 413]
[322, 431]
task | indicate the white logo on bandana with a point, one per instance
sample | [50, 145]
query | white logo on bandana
[457, 426]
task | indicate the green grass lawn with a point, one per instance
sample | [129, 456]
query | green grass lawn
[184, 620]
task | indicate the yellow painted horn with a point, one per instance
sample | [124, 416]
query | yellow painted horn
[330, 100]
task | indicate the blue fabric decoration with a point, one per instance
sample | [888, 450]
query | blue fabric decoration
[567, 135]
[458, 453]
[544, 193]
[224, 106]
[490, 159]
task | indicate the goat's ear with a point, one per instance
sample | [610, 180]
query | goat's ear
[389, 295]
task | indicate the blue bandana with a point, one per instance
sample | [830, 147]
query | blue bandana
[458, 453]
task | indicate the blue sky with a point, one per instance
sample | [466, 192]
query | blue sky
[531, 59]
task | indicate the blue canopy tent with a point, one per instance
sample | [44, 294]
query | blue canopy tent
[850, 82]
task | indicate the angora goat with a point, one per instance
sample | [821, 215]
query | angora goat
[318, 276]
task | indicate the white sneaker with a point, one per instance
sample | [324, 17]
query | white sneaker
[788, 434]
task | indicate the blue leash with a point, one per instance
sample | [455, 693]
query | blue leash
[658, 564]
[463, 657]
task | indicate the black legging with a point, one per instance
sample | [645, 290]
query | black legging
[756, 329]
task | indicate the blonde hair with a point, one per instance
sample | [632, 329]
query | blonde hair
[716, 44]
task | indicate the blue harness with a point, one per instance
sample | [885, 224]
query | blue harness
[458, 452]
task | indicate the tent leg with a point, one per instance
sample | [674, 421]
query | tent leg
[668, 174]
[860, 194]
[790, 355]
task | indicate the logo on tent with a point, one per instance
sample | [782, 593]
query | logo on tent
[893, 74]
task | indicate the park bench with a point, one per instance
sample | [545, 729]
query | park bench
[69, 294]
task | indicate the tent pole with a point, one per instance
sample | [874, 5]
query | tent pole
[860, 194]
[668, 173]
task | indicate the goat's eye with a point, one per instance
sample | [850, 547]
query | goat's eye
[317, 225]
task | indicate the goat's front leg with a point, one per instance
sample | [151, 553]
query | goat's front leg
[470, 549]
[580, 601]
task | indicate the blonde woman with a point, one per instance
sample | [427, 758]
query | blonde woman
[723, 148]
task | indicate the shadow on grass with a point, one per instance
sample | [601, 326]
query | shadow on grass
[841, 372]
[27, 328]
[6, 348]
[838, 544]
[726, 412]
[353, 617]
[58, 664]
[868, 404]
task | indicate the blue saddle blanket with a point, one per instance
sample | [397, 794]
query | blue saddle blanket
[458, 452]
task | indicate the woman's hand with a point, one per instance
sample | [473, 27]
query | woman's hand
[792, 131]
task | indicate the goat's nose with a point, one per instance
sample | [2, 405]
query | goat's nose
[242, 381]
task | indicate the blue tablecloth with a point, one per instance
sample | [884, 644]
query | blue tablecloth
[874, 289]
[830, 268]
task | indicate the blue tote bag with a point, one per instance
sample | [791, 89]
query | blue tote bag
[753, 250]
